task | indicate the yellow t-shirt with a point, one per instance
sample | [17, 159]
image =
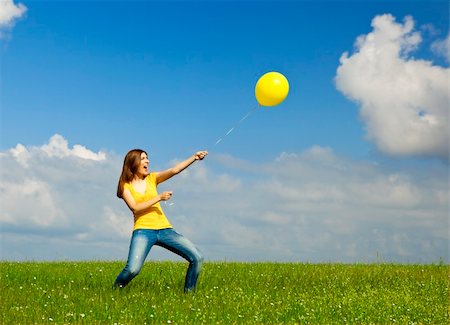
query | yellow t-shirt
[153, 217]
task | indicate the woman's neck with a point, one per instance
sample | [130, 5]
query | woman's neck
[139, 177]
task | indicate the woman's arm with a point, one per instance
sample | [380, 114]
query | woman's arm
[178, 168]
[139, 207]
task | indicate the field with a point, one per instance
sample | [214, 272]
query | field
[271, 293]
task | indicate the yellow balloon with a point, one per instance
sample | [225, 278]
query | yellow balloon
[271, 89]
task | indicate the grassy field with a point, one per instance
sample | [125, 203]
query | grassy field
[271, 293]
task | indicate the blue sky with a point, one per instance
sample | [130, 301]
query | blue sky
[173, 77]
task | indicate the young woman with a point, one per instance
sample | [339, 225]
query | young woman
[137, 187]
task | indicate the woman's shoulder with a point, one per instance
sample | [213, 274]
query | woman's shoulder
[151, 177]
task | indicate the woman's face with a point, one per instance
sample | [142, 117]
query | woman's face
[143, 166]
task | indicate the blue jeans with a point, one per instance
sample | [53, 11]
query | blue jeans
[142, 241]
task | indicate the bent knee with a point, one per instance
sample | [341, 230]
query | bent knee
[199, 259]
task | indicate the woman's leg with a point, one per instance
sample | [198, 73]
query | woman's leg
[183, 247]
[141, 242]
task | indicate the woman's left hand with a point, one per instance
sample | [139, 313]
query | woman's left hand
[199, 155]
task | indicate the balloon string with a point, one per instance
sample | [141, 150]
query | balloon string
[167, 204]
[236, 125]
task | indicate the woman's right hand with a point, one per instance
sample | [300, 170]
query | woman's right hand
[164, 196]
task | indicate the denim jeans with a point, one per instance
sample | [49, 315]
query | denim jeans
[142, 241]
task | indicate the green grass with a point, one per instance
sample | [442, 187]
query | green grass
[271, 293]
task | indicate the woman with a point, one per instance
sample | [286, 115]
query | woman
[137, 187]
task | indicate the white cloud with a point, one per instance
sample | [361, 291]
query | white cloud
[9, 13]
[56, 147]
[35, 198]
[404, 102]
[308, 206]
[53, 188]
[21, 154]
[442, 48]
[315, 206]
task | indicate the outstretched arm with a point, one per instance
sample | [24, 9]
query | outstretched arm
[178, 168]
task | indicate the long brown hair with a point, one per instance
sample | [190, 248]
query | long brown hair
[130, 166]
